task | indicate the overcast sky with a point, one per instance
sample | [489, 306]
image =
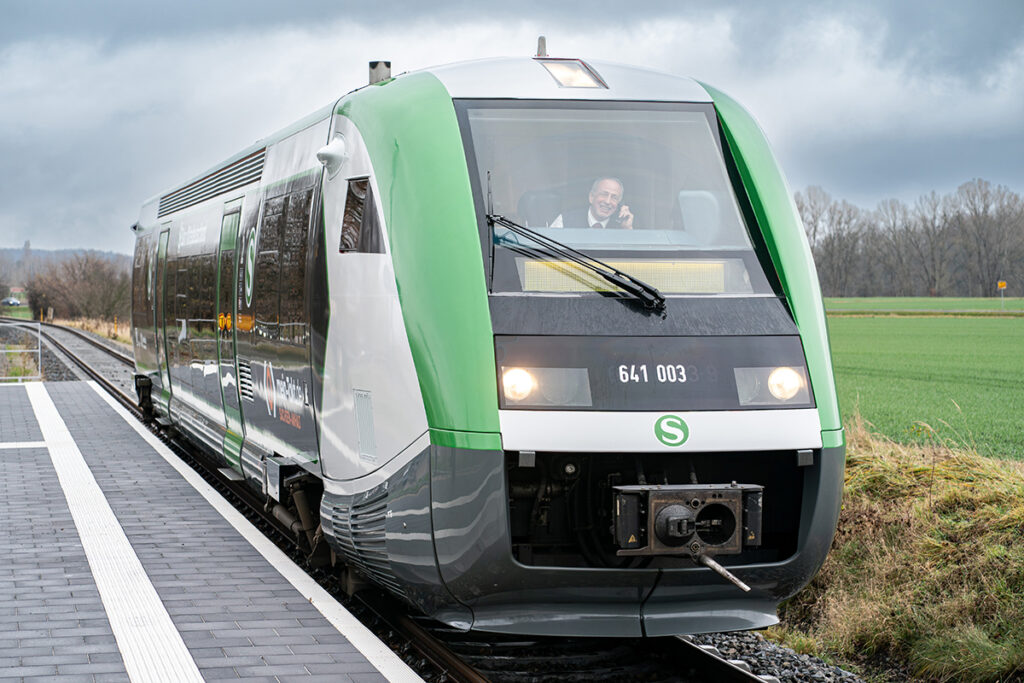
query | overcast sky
[106, 103]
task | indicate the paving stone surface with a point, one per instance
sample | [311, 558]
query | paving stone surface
[240, 619]
[17, 421]
[49, 603]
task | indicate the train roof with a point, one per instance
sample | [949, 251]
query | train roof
[530, 78]
[497, 78]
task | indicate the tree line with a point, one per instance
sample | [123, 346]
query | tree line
[84, 285]
[958, 244]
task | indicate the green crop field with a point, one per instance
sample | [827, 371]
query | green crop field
[17, 312]
[963, 377]
[925, 304]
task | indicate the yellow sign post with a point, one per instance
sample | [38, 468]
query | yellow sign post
[1001, 286]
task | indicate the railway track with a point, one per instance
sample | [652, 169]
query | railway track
[438, 652]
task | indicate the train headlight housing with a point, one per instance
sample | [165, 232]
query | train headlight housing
[772, 386]
[784, 383]
[518, 383]
[547, 387]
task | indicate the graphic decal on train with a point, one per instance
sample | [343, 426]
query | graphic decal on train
[268, 389]
[250, 265]
[671, 430]
[285, 396]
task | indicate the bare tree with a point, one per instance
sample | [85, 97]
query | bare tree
[814, 205]
[988, 220]
[5, 276]
[932, 241]
[838, 251]
[86, 285]
[890, 230]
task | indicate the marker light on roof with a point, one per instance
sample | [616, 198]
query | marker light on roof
[572, 73]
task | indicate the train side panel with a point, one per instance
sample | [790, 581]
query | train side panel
[374, 409]
[272, 326]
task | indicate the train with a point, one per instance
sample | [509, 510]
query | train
[534, 344]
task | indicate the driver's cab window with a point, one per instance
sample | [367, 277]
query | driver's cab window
[646, 181]
[360, 227]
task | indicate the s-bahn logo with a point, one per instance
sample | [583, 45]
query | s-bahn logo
[671, 430]
[250, 265]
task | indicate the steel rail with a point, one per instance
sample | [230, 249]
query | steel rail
[435, 651]
[127, 400]
[125, 358]
[710, 665]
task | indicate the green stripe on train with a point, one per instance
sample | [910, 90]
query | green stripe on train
[413, 137]
[784, 234]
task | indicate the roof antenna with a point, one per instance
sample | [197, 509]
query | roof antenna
[542, 46]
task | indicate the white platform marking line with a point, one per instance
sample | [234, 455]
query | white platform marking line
[376, 652]
[23, 444]
[150, 645]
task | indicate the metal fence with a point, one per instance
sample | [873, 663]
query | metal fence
[21, 352]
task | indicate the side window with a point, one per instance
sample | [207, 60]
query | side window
[207, 265]
[195, 301]
[360, 229]
[293, 266]
[180, 330]
[268, 268]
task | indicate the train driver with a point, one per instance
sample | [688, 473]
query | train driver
[605, 209]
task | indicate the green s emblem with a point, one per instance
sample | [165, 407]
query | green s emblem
[250, 265]
[671, 430]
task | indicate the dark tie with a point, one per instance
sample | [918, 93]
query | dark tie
[596, 225]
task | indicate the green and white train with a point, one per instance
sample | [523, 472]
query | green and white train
[536, 344]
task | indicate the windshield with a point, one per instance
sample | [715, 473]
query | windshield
[641, 185]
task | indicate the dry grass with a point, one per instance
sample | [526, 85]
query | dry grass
[118, 331]
[15, 367]
[927, 567]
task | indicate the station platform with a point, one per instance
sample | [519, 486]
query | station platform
[120, 563]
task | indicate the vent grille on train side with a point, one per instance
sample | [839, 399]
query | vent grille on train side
[237, 174]
[361, 534]
[245, 380]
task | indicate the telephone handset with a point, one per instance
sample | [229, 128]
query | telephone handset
[616, 220]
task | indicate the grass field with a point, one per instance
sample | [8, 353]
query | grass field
[925, 570]
[16, 312]
[910, 304]
[953, 380]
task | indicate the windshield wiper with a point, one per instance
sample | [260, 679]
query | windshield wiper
[651, 297]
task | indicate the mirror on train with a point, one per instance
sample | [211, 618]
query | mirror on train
[333, 155]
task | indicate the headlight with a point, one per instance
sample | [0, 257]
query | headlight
[518, 384]
[549, 387]
[784, 383]
[772, 386]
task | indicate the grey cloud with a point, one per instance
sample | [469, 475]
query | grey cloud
[951, 35]
[903, 168]
[84, 188]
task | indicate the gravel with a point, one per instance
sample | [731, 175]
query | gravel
[55, 369]
[768, 659]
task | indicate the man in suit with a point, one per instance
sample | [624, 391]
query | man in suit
[606, 209]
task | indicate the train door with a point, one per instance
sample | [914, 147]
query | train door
[227, 318]
[163, 398]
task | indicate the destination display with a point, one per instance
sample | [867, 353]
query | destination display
[651, 373]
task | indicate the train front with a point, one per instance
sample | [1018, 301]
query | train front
[672, 456]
